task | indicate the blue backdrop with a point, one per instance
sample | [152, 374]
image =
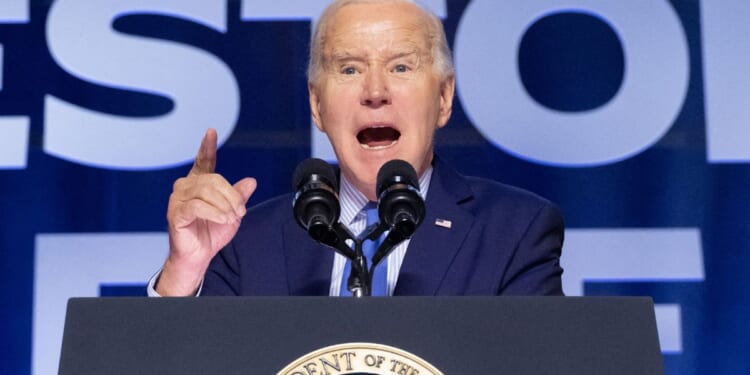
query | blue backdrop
[632, 116]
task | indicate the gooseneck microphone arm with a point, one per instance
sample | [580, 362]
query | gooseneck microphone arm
[389, 243]
[360, 281]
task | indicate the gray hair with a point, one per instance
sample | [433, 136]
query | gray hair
[441, 53]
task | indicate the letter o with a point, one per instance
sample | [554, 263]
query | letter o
[650, 97]
[370, 360]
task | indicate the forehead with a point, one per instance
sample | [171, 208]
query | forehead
[377, 26]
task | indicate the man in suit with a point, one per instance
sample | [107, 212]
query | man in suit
[381, 83]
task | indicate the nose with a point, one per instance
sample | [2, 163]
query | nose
[375, 89]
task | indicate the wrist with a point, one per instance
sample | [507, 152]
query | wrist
[179, 279]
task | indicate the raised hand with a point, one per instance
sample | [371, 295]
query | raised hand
[204, 214]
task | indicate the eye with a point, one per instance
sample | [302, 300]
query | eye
[349, 70]
[401, 68]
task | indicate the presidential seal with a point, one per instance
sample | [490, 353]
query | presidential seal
[360, 358]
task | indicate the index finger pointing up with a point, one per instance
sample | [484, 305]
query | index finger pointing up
[205, 161]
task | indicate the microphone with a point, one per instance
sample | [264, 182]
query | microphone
[400, 206]
[316, 202]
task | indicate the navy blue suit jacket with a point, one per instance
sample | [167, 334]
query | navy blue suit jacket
[502, 241]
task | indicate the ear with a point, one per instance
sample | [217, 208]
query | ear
[314, 97]
[447, 88]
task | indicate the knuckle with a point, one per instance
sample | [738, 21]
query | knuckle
[178, 183]
[215, 178]
[204, 190]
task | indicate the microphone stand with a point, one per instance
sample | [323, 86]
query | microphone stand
[360, 281]
[360, 278]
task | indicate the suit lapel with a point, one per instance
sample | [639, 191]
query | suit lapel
[433, 247]
[308, 263]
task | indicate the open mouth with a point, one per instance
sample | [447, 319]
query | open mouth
[378, 138]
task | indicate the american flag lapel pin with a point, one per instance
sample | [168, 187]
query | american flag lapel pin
[447, 224]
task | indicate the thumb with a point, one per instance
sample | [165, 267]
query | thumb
[246, 187]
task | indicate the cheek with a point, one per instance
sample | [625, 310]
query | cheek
[428, 99]
[338, 106]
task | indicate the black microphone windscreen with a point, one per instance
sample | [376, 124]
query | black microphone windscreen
[395, 168]
[313, 166]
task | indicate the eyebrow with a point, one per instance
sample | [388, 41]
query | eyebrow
[402, 54]
[343, 56]
[346, 55]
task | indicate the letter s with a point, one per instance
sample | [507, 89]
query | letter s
[82, 41]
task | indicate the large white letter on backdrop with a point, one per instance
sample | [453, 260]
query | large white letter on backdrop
[650, 97]
[636, 255]
[203, 89]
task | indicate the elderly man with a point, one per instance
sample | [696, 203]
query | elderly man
[381, 83]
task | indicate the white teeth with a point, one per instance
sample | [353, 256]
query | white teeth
[381, 147]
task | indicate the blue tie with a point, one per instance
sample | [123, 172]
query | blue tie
[380, 274]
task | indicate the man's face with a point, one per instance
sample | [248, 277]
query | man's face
[379, 97]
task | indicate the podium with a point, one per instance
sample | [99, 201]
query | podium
[330, 336]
